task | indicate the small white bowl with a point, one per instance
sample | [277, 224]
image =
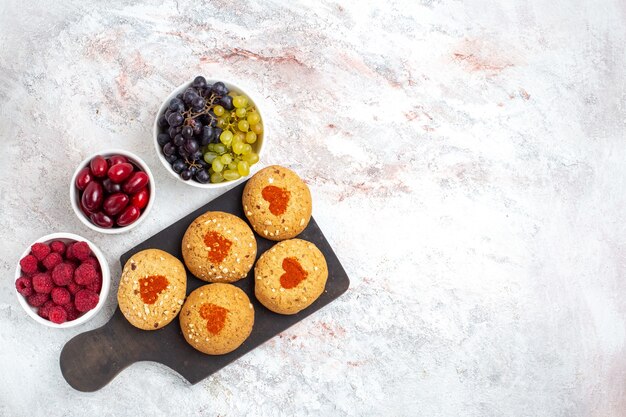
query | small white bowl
[257, 146]
[104, 292]
[74, 194]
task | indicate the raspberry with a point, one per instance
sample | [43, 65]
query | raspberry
[24, 286]
[29, 264]
[95, 285]
[85, 300]
[92, 261]
[62, 274]
[42, 283]
[81, 250]
[73, 287]
[44, 310]
[40, 250]
[52, 260]
[60, 295]
[72, 313]
[37, 299]
[58, 247]
[57, 314]
[69, 252]
[85, 274]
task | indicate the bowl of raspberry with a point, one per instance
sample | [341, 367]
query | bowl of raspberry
[112, 191]
[62, 280]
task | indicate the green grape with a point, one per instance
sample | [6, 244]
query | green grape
[226, 159]
[241, 113]
[232, 166]
[211, 147]
[217, 165]
[251, 137]
[253, 118]
[257, 128]
[226, 137]
[251, 158]
[219, 148]
[221, 123]
[218, 110]
[243, 168]
[217, 177]
[238, 147]
[243, 125]
[240, 101]
[230, 175]
[209, 157]
[240, 137]
[246, 149]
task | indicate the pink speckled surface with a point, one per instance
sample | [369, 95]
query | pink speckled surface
[467, 162]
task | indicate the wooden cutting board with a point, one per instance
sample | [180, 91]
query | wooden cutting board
[92, 359]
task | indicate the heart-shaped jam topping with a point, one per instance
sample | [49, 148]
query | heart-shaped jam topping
[277, 197]
[294, 273]
[218, 246]
[150, 288]
[215, 317]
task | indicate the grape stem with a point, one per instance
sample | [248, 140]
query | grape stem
[192, 163]
[233, 118]
[190, 115]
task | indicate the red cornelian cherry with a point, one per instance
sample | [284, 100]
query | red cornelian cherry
[128, 216]
[119, 172]
[98, 166]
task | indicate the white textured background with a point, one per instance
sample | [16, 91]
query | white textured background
[467, 161]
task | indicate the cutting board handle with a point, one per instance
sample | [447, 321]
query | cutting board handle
[92, 359]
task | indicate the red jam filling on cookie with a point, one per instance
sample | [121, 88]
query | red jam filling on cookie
[294, 273]
[215, 317]
[277, 197]
[150, 288]
[218, 246]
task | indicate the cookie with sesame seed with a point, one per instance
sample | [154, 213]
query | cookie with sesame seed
[219, 247]
[152, 289]
[290, 276]
[217, 318]
[277, 203]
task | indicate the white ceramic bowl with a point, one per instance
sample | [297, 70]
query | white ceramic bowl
[104, 292]
[257, 146]
[74, 194]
